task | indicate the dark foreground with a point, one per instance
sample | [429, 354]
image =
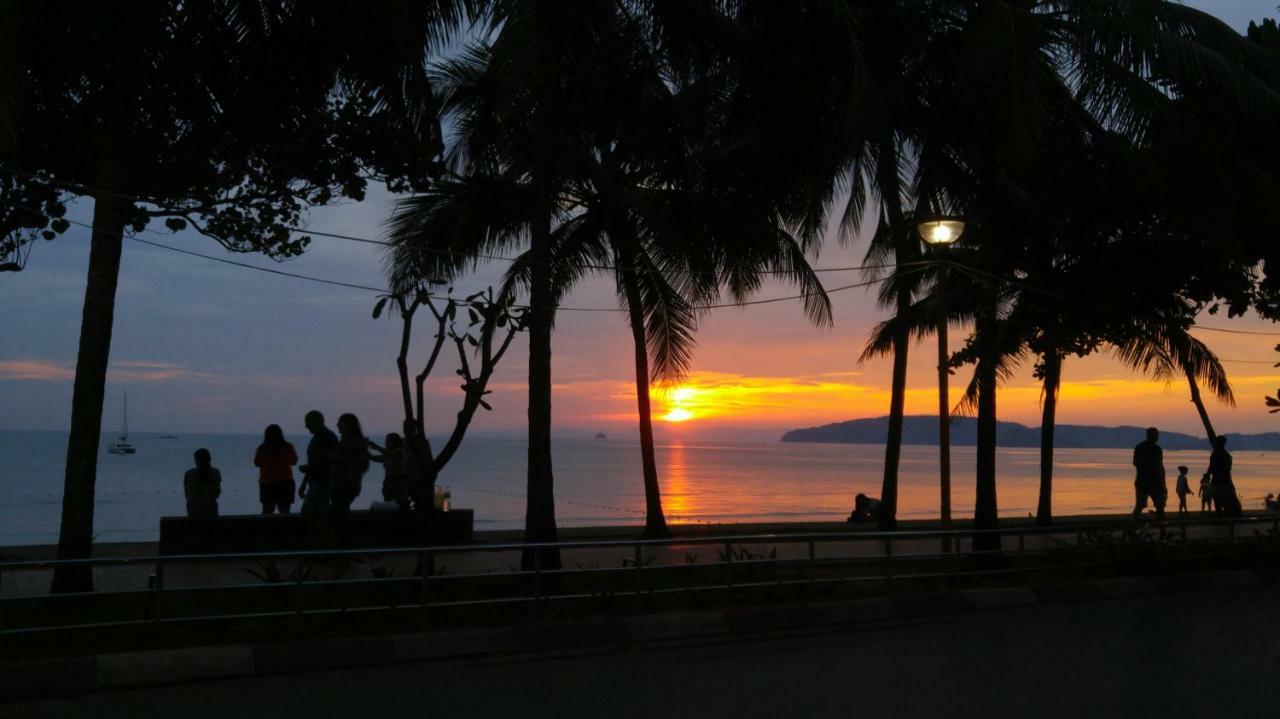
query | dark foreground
[1193, 654]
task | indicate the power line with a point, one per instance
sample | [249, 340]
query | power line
[338, 283]
[499, 258]
[1244, 361]
[981, 275]
[234, 263]
[433, 250]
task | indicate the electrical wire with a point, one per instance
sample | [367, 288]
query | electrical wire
[430, 250]
[339, 283]
[987, 276]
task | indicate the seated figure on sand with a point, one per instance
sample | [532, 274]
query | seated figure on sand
[865, 509]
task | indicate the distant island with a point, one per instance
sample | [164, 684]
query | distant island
[923, 429]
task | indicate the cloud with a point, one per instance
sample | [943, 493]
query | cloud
[38, 370]
[34, 371]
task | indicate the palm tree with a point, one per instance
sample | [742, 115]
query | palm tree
[519, 101]
[893, 44]
[633, 202]
[1166, 350]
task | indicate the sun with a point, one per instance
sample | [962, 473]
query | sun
[679, 401]
[681, 395]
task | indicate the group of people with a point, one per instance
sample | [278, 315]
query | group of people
[1217, 490]
[332, 476]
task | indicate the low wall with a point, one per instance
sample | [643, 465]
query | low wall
[282, 532]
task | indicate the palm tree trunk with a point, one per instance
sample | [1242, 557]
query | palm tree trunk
[655, 522]
[985, 514]
[893, 440]
[1199, 403]
[75, 537]
[890, 194]
[1052, 382]
[540, 510]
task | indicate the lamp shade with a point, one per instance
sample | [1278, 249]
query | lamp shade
[941, 230]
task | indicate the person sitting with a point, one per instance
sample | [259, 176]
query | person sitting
[394, 459]
[202, 486]
[274, 459]
[865, 509]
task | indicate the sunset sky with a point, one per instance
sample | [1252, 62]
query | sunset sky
[208, 347]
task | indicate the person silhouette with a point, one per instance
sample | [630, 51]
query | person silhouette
[1148, 460]
[350, 462]
[1224, 489]
[274, 459]
[1183, 488]
[865, 509]
[394, 458]
[318, 469]
[202, 486]
[1206, 494]
[415, 446]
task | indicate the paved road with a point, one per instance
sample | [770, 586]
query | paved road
[1200, 654]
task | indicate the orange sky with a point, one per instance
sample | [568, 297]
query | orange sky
[204, 347]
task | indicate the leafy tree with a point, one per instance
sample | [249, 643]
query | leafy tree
[492, 324]
[1266, 33]
[225, 117]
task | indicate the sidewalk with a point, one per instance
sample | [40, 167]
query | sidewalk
[110, 671]
[1116, 648]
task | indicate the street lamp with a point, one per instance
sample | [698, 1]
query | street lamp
[939, 233]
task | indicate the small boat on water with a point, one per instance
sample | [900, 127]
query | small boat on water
[123, 446]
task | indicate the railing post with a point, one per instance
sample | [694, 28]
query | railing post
[424, 569]
[158, 593]
[537, 579]
[813, 557]
[296, 592]
[728, 564]
[637, 569]
[888, 563]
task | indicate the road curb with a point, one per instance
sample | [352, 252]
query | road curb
[76, 675]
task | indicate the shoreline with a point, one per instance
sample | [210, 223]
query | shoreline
[41, 552]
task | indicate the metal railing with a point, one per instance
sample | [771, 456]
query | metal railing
[846, 556]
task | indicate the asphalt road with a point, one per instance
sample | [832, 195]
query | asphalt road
[1187, 655]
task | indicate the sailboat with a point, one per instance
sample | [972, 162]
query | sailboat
[123, 446]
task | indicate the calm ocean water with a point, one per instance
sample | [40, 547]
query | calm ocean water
[597, 481]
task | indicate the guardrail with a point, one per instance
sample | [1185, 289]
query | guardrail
[807, 558]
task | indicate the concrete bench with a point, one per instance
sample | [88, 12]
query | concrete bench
[230, 534]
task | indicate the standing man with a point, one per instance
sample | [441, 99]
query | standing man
[1223, 488]
[318, 469]
[1148, 460]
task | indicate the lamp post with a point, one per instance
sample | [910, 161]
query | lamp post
[939, 233]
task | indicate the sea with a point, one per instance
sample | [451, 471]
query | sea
[597, 481]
